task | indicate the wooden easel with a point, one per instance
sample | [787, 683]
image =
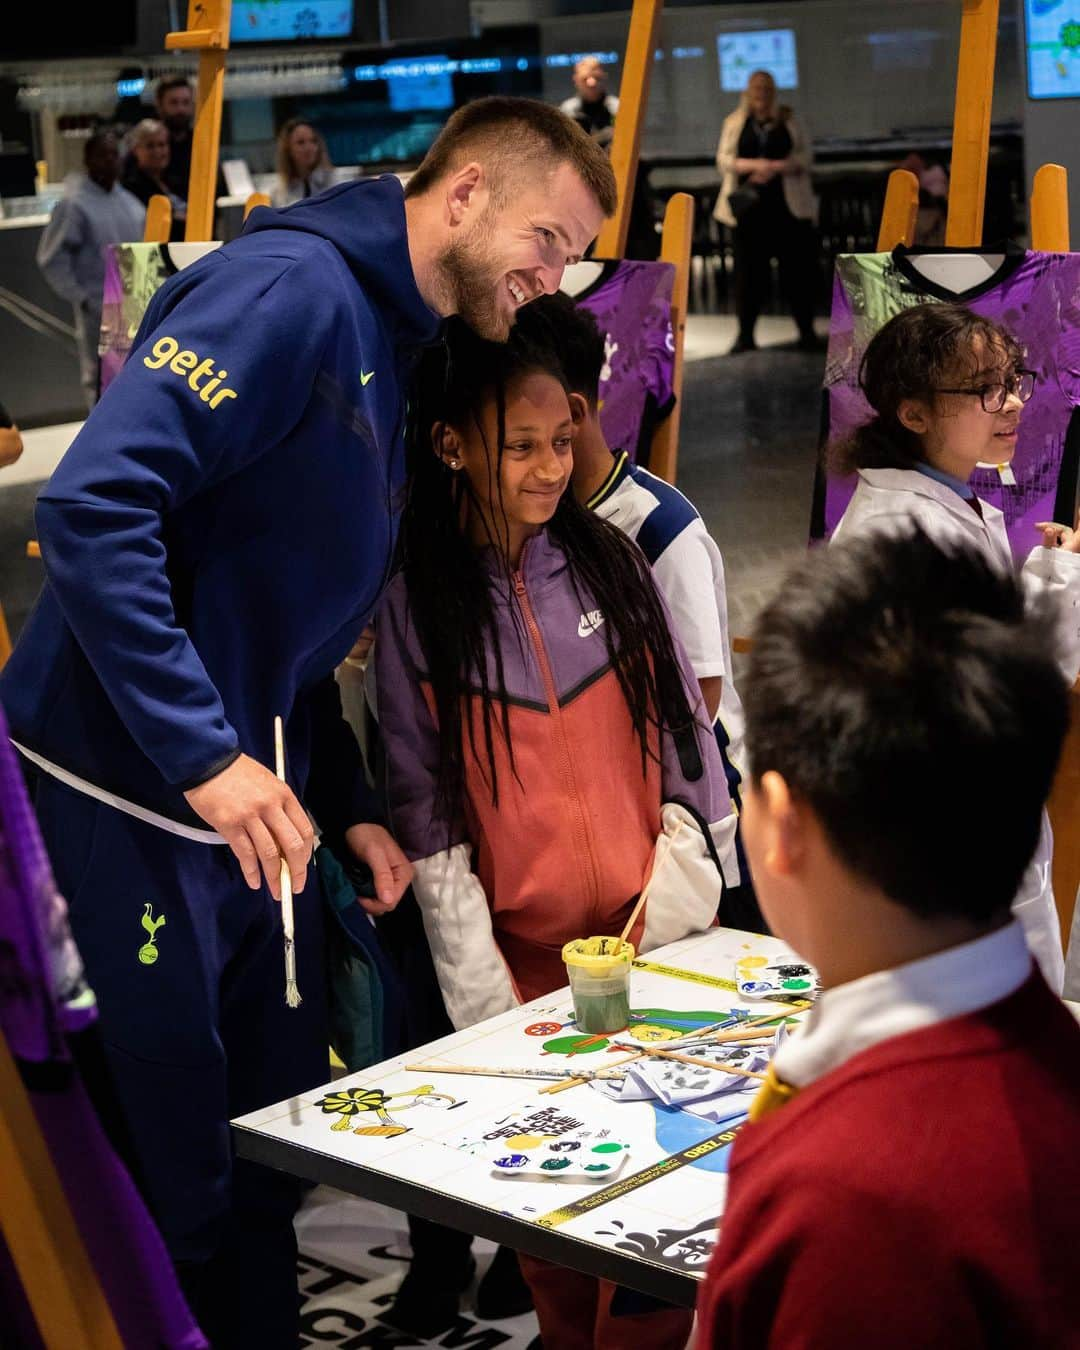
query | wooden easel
[207, 33]
[678, 217]
[50, 1258]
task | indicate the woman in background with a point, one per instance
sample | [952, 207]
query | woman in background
[145, 166]
[303, 164]
[767, 199]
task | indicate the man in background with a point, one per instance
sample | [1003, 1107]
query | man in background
[592, 107]
[176, 108]
[94, 211]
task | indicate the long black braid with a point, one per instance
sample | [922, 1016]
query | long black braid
[450, 589]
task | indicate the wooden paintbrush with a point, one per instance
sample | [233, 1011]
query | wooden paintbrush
[292, 993]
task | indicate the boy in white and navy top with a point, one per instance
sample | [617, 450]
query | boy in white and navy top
[668, 529]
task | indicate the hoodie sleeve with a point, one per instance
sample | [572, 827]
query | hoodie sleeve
[222, 370]
[686, 894]
[473, 976]
[60, 241]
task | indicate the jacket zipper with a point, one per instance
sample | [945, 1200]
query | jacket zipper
[585, 849]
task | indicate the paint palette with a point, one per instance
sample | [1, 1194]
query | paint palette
[578, 1157]
[786, 978]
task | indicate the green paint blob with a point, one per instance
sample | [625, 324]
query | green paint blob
[554, 1164]
[795, 984]
[597, 1167]
[607, 1148]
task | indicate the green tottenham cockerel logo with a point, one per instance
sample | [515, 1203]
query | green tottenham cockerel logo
[148, 952]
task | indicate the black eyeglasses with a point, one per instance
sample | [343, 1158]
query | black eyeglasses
[993, 396]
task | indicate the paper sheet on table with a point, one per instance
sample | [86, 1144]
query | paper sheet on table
[709, 1093]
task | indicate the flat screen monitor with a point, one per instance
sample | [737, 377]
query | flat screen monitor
[1053, 48]
[771, 49]
[290, 20]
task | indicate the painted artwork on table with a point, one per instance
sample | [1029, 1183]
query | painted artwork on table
[497, 1141]
[372, 1105]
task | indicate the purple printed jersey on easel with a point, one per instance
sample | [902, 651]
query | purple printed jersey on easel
[1036, 296]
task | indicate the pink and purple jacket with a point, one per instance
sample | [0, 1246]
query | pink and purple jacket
[567, 849]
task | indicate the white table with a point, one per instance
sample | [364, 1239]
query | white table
[421, 1144]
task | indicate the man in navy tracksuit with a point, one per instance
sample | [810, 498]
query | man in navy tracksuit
[214, 542]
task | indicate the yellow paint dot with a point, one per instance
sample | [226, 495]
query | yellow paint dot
[520, 1141]
[753, 962]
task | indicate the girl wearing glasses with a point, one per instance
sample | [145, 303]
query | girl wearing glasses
[948, 388]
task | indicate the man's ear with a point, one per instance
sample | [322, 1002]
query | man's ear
[579, 409]
[466, 193]
[913, 415]
[785, 825]
[445, 443]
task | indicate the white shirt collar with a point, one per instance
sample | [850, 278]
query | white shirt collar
[855, 1016]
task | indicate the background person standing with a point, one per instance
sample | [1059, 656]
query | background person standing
[95, 211]
[303, 163]
[591, 106]
[145, 169]
[767, 199]
[176, 108]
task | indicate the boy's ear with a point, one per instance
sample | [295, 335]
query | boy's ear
[913, 415]
[579, 408]
[785, 842]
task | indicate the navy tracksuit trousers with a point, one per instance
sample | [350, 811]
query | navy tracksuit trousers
[188, 968]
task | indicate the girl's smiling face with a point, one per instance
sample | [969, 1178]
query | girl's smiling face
[517, 496]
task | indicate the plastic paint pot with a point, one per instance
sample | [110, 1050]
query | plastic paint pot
[599, 972]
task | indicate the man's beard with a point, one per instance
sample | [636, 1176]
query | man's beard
[471, 277]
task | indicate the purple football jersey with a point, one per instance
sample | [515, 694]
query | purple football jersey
[43, 998]
[631, 302]
[1036, 296]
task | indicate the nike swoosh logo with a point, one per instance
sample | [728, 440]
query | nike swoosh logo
[588, 624]
[364, 377]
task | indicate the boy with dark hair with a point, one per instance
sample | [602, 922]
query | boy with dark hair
[686, 562]
[910, 1174]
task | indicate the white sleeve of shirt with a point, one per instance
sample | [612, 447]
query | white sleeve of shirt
[687, 577]
[1055, 572]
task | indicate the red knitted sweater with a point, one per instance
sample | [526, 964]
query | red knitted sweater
[924, 1194]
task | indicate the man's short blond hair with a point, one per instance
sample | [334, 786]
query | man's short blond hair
[515, 139]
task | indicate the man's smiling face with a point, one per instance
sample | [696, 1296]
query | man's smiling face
[511, 255]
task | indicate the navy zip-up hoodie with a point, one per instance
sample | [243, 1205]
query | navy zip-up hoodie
[218, 533]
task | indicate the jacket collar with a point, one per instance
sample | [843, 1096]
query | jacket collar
[910, 480]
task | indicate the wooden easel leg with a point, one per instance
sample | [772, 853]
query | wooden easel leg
[1050, 209]
[633, 100]
[971, 123]
[900, 211]
[46, 1247]
[158, 225]
[675, 248]
[206, 141]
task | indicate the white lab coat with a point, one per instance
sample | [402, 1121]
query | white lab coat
[887, 501]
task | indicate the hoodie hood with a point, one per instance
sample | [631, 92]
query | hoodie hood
[365, 222]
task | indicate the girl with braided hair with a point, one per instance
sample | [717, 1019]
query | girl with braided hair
[541, 727]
